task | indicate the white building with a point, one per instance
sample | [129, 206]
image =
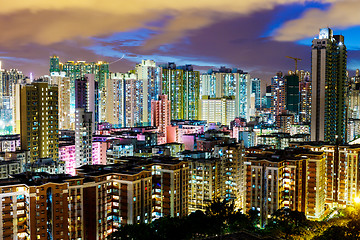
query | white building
[217, 110]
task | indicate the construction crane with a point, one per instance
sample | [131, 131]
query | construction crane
[296, 61]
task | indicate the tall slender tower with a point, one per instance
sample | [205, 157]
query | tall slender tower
[83, 137]
[329, 84]
[278, 94]
[150, 75]
[160, 116]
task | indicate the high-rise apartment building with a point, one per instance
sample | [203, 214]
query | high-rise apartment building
[115, 89]
[231, 170]
[292, 97]
[341, 163]
[181, 85]
[354, 97]
[44, 206]
[8, 80]
[63, 83]
[284, 122]
[305, 97]
[125, 100]
[256, 91]
[292, 178]
[227, 82]
[278, 94]
[39, 120]
[329, 86]
[133, 100]
[204, 183]
[160, 117]
[170, 187]
[208, 84]
[86, 96]
[150, 75]
[76, 70]
[217, 110]
[83, 137]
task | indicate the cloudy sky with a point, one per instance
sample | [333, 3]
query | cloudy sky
[253, 35]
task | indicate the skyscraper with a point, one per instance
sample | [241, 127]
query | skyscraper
[133, 100]
[181, 85]
[86, 97]
[125, 100]
[63, 83]
[150, 75]
[329, 84]
[83, 137]
[256, 90]
[160, 116]
[305, 97]
[8, 79]
[227, 82]
[278, 94]
[292, 99]
[76, 70]
[39, 120]
[115, 89]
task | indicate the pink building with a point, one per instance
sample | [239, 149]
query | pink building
[176, 133]
[67, 155]
[99, 153]
[160, 116]
[189, 141]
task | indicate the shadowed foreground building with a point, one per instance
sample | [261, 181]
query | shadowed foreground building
[90, 206]
[170, 178]
[204, 182]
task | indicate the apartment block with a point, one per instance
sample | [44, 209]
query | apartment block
[291, 178]
[204, 182]
[231, 171]
[341, 172]
[89, 206]
[39, 120]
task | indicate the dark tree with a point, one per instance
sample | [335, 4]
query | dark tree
[140, 231]
[288, 222]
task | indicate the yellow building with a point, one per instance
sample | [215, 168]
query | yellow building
[50, 206]
[231, 170]
[341, 171]
[181, 84]
[217, 110]
[292, 178]
[39, 121]
[204, 182]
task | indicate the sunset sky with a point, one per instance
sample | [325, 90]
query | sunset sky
[253, 35]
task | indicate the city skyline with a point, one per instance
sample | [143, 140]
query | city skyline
[88, 153]
[252, 36]
[179, 120]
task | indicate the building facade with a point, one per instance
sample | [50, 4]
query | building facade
[181, 85]
[329, 86]
[39, 120]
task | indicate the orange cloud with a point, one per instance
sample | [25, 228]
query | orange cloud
[341, 14]
[46, 22]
